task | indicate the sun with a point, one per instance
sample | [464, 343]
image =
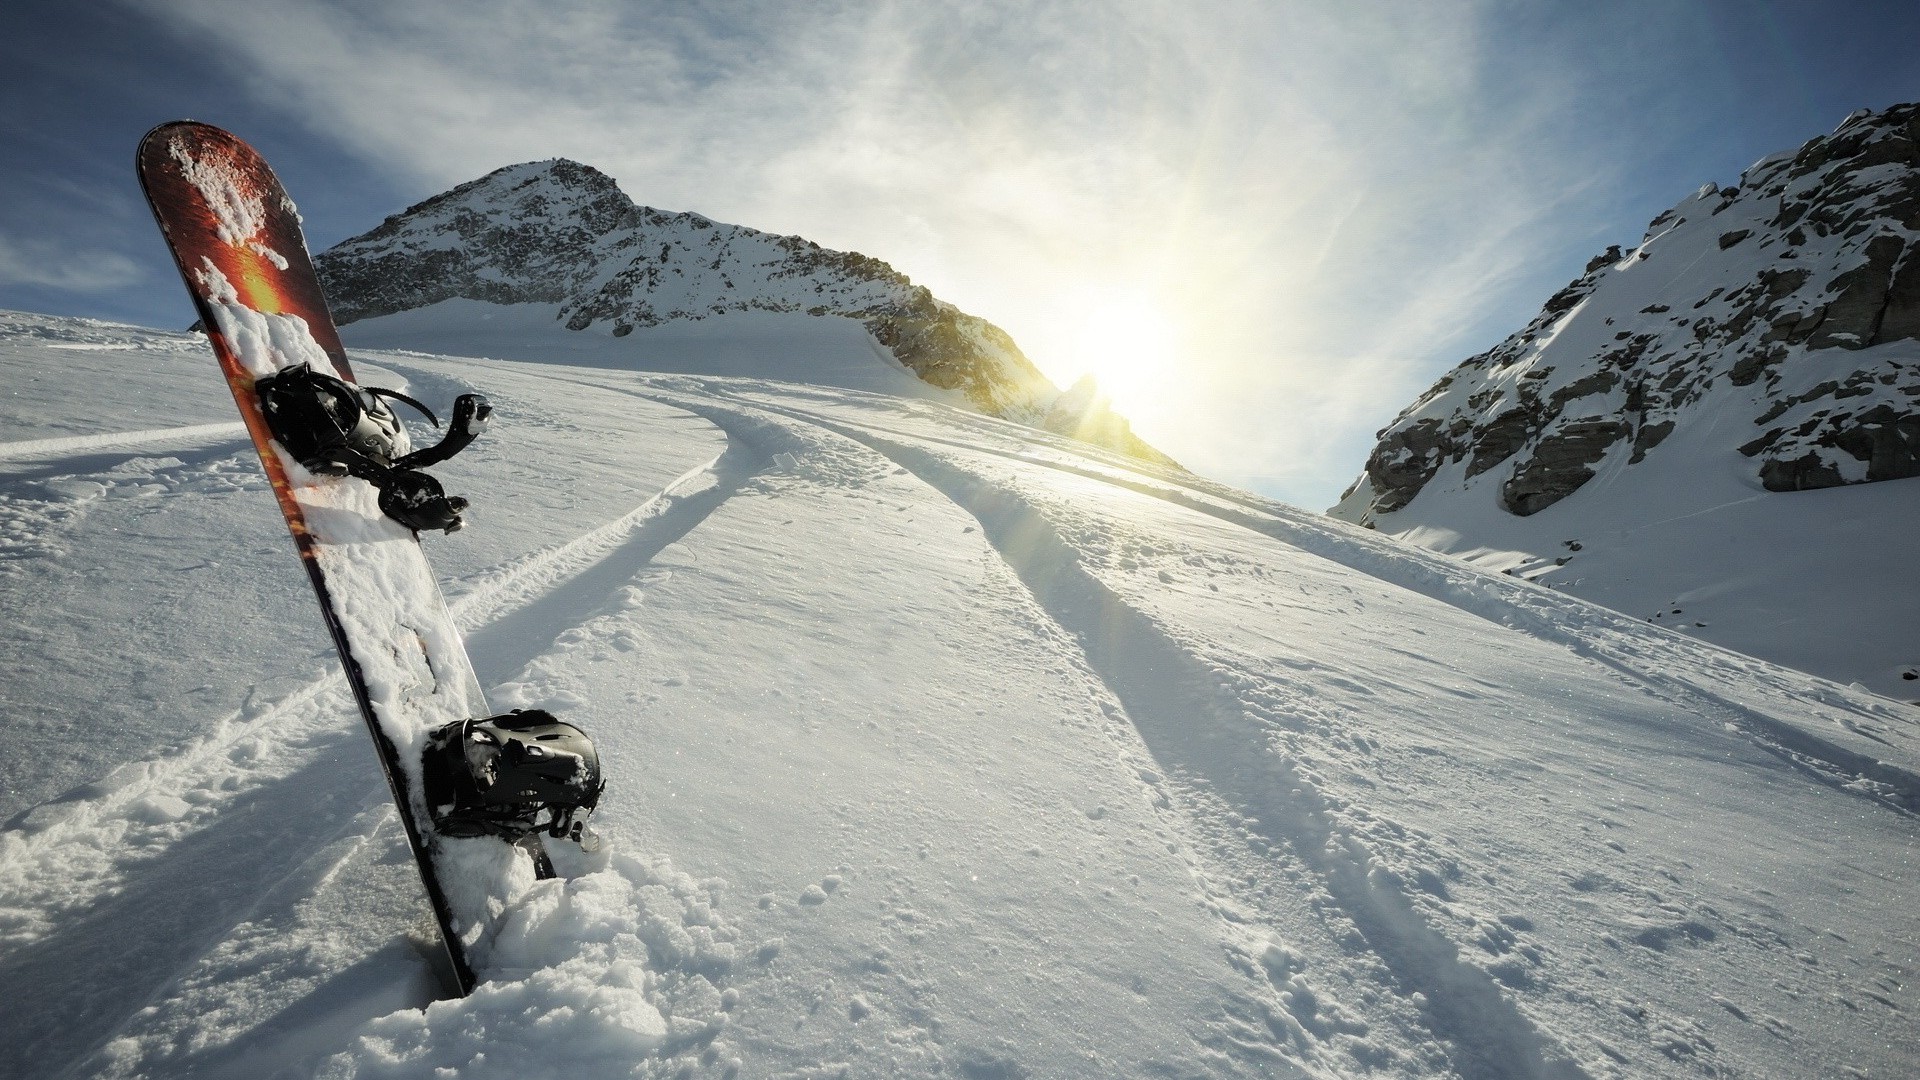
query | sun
[1126, 341]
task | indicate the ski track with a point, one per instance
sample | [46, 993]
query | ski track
[266, 784]
[1260, 1029]
[47, 499]
[1489, 1035]
[46, 448]
[1282, 1021]
[1162, 686]
[1603, 636]
[1492, 1038]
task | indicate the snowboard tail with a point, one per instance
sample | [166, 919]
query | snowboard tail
[236, 238]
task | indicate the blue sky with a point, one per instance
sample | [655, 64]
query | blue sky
[1297, 214]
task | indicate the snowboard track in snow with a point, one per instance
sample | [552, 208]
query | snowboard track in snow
[516, 610]
[183, 903]
[1625, 648]
[1490, 1037]
[1607, 638]
[266, 785]
[509, 622]
[113, 440]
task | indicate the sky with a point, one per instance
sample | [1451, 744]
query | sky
[1265, 226]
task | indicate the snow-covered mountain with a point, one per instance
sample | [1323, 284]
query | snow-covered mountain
[557, 252]
[1718, 428]
[937, 746]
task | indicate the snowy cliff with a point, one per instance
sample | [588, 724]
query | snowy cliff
[1762, 341]
[562, 238]
[1791, 300]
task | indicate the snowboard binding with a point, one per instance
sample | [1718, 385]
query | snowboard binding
[336, 428]
[512, 775]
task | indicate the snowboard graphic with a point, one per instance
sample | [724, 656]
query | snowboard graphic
[236, 237]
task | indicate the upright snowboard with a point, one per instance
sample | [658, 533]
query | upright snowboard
[237, 240]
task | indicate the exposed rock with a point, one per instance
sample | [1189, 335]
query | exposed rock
[563, 234]
[1751, 365]
[1887, 440]
[1503, 437]
[1804, 473]
[1900, 318]
[1648, 437]
[1794, 292]
[1795, 327]
[1561, 462]
[1403, 462]
[1598, 382]
[1860, 299]
[1763, 443]
[1084, 413]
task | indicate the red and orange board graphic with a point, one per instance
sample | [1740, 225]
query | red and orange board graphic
[236, 238]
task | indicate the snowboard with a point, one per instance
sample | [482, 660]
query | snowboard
[236, 238]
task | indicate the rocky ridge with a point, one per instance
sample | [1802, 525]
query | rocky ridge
[562, 233]
[1789, 302]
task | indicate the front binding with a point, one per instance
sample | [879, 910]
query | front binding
[511, 776]
[336, 428]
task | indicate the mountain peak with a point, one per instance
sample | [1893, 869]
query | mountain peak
[562, 234]
[562, 173]
[556, 190]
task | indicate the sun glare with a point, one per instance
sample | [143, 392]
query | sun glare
[1128, 344]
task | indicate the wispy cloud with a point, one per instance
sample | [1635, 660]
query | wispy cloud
[1320, 195]
[50, 265]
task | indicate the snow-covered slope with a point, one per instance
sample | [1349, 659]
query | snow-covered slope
[1719, 429]
[937, 746]
[556, 251]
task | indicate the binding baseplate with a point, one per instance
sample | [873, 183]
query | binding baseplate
[336, 428]
[511, 776]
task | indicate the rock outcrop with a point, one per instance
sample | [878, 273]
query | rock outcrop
[563, 234]
[1789, 302]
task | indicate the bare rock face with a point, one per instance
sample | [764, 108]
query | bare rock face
[1559, 463]
[563, 234]
[1406, 459]
[1790, 302]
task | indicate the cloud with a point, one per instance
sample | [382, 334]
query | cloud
[1321, 195]
[52, 265]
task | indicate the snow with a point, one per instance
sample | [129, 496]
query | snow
[827, 350]
[936, 746]
[40, 448]
[1688, 538]
[416, 676]
[1819, 580]
[239, 214]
